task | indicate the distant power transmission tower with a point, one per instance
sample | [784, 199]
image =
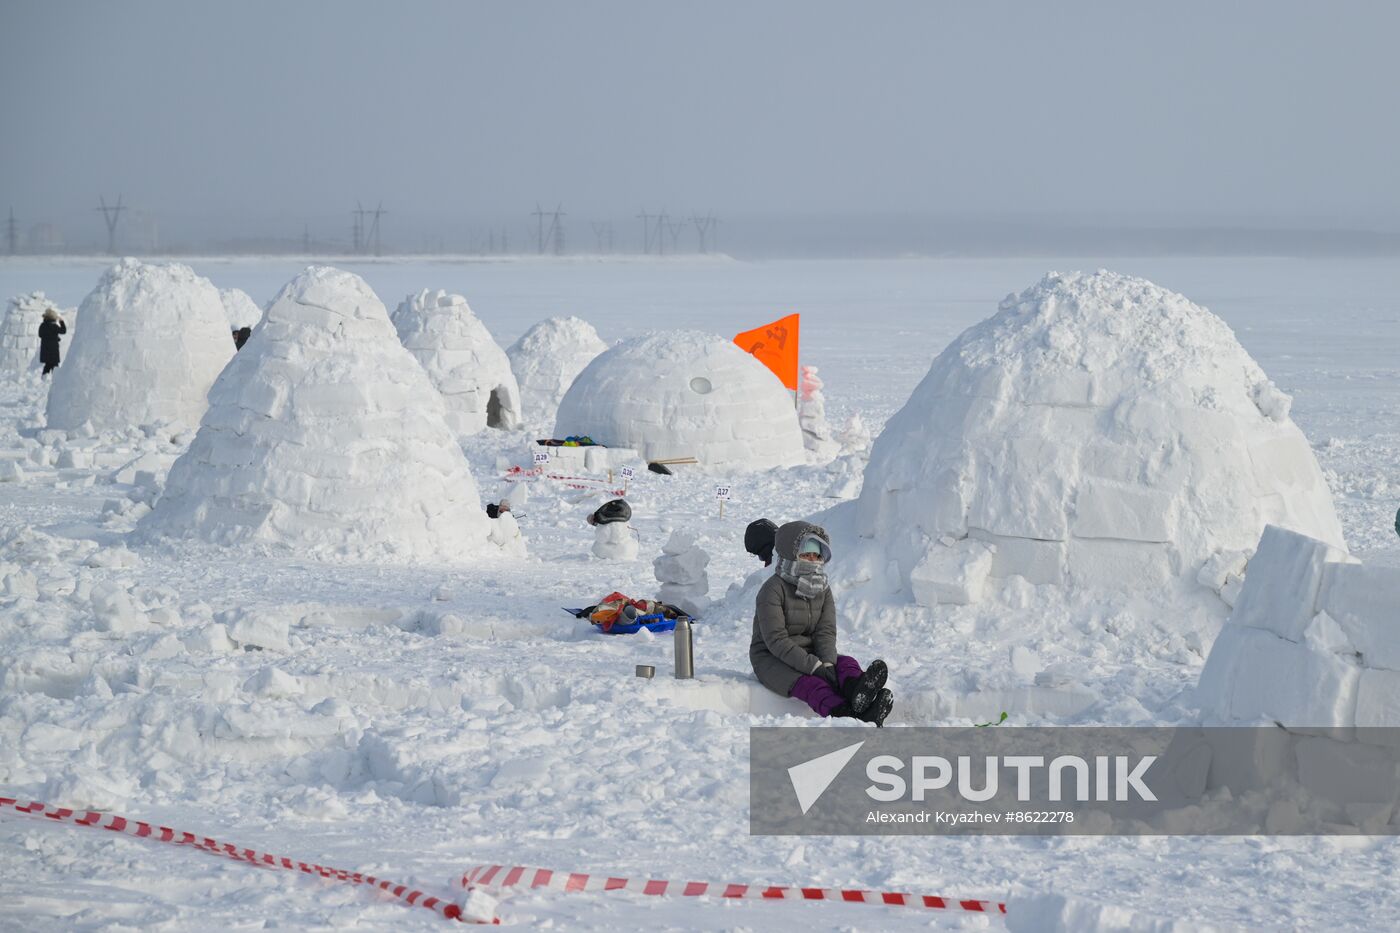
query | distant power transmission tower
[646, 231]
[675, 231]
[663, 224]
[603, 233]
[703, 227]
[357, 228]
[12, 233]
[111, 214]
[378, 212]
[554, 233]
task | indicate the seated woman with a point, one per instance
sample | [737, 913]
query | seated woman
[793, 651]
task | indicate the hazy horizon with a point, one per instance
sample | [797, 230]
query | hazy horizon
[819, 128]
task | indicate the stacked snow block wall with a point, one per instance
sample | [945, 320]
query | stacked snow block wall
[324, 436]
[153, 340]
[1313, 642]
[1098, 431]
[546, 360]
[681, 572]
[19, 335]
[685, 394]
[462, 359]
[1312, 647]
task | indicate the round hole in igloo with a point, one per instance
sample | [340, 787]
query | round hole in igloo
[701, 386]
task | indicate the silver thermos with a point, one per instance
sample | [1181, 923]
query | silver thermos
[685, 649]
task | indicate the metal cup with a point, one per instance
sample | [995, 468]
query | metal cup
[646, 670]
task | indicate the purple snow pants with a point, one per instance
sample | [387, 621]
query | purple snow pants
[817, 693]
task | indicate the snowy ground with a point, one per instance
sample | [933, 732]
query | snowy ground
[440, 716]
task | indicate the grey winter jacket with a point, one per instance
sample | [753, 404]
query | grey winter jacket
[792, 636]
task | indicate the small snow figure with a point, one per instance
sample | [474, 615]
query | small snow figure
[613, 538]
[681, 572]
[50, 333]
[811, 414]
[505, 531]
[793, 651]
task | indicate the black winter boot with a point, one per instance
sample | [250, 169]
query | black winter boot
[878, 709]
[861, 691]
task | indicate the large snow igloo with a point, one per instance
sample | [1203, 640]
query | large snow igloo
[324, 436]
[153, 340]
[546, 360]
[1099, 431]
[685, 394]
[463, 361]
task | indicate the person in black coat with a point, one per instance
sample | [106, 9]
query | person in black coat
[50, 333]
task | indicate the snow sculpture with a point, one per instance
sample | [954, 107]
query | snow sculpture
[615, 541]
[153, 340]
[324, 436]
[811, 414]
[240, 309]
[681, 571]
[19, 335]
[1098, 430]
[463, 361]
[547, 358]
[685, 394]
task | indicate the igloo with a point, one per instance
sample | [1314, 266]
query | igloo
[547, 358]
[685, 394]
[1098, 430]
[463, 361]
[19, 335]
[153, 340]
[239, 308]
[323, 435]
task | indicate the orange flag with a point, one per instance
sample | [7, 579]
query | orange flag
[775, 346]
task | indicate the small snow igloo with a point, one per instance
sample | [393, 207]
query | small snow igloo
[324, 435]
[685, 394]
[463, 361]
[153, 340]
[1098, 431]
[546, 360]
[19, 336]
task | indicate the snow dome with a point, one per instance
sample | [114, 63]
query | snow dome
[1098, 430]
[19, 335]
[240, 309]
[324, 435]
[547, 358]
[153, 340]
[463, 361]
[685, 394]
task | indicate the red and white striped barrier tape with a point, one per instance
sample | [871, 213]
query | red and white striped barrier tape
[475, 913]
[500, 877]
[516, 474]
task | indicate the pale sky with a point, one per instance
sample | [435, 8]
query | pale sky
[245, 115]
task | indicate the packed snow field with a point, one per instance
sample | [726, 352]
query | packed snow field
[411, 719]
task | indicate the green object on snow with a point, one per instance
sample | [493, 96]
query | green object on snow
[983, 725]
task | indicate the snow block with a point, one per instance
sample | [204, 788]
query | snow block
[1282, 581]
[1365, 601]
[1037, 561]
[1378, 699]
[1104, 509]
[1057, 913]
[1346, 772]
[1106, 563]
[1282, 681]
[256, 629]
[954, 575]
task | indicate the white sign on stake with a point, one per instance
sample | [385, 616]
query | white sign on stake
[627, 474]
[722, 494]
[541, 457]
